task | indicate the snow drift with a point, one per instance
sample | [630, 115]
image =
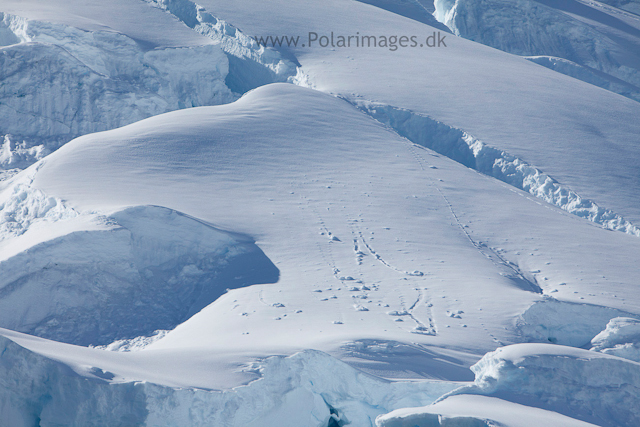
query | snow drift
[146, 268]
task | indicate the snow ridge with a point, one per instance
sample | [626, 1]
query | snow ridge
[267, 64]
[473, 153]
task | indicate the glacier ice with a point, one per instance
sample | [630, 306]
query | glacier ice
[582, 384]
[583, 34]
[306, 389]
[22, 206]
[620, 338]
[60, 82]
[565, 323]
[250, 64]
[473, 153]
[147, 268]
[117, 266]
[476, 411]
[587, 74]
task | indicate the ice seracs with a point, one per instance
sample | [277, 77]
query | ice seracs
[590, 41]
[620, 338]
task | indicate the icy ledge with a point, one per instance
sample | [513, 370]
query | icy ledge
[119, 277]
[620, 338]
[310, 389]
[250, 65]
[476, 411]
[473, 153]
[60, 82]
[567, 323]
[582, 384]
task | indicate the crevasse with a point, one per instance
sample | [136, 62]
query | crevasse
[473, 153]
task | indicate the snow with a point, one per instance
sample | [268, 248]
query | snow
[481, 411]
[134, 344]
[620, 338]
[319, 253]
[523, 372]
[469, 151]
[23, 207]
[150, 27]
[504, 101]
[589, 35]
[255, 65]
[62, 82]
[303, 388]
[587, 74]
[236, 167]
[565, 323]
[145, 269]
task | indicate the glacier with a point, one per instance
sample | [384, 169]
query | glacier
[586, 40]
[143, 276]
[199, 230]
[60, 81]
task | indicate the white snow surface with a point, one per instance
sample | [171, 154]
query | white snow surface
[314, 256]
[502, 100]
[415, 238]
[475, 411]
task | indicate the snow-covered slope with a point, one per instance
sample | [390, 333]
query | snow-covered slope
[60, 81]
[554, 123]
[476, 411]
[319, 255]
[136, 271]
[402, 260]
